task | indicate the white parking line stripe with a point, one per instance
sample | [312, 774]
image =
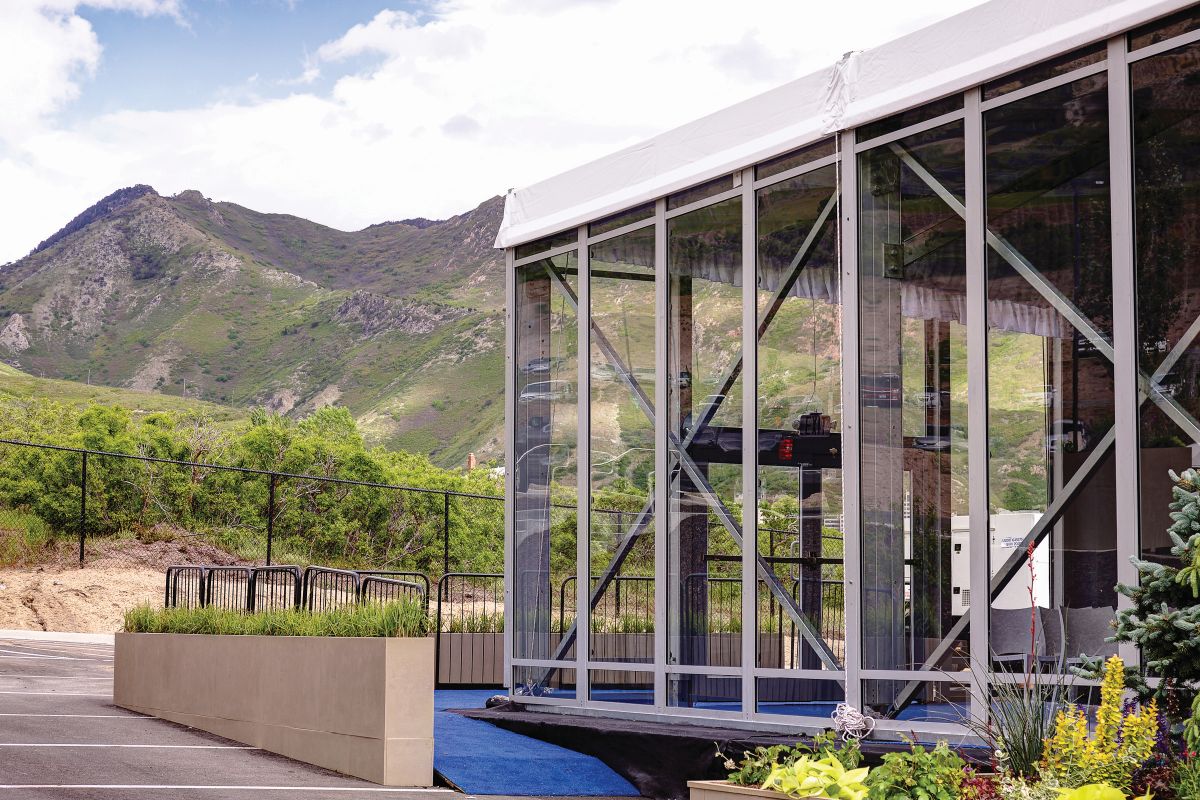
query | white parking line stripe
[201, 787]
[4, 675]
[134, 746]
[75, 652]
[81, 716]
[66, 694]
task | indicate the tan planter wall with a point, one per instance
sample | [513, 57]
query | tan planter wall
[360, 706]
[721, 790]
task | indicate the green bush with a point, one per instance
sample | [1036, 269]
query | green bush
[405, 618]
[935, 774]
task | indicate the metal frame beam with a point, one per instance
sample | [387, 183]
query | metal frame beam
[799, 261]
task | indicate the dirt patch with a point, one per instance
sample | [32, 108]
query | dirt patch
[117, 574]
[90, 599]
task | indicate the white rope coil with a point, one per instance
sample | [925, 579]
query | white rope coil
[851, 723]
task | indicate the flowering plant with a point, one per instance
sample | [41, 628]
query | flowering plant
[1122, 742]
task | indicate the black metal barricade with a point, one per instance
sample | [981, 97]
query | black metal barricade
[375, 589]
[230, 588]
[326, 589]
[405, 577]
[185, 587]
[276, 588]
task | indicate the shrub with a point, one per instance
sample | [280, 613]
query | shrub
[926, 774]
[1120, 744]
[1165, 613]
[757, 764]
[823, 777]
[404, 618]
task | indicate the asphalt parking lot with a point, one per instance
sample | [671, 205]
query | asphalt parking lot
[61, 737]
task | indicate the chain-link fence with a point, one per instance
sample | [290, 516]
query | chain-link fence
[64, 506]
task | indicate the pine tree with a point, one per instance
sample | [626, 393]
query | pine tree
[1164, 621]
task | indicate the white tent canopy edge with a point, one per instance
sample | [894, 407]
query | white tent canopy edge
[950, 56]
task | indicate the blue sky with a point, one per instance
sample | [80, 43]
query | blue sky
[350, 112]
[221, 49]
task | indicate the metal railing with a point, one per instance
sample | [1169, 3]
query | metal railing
[250, 589]
[90, 472]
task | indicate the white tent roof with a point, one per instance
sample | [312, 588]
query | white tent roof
[951, 56]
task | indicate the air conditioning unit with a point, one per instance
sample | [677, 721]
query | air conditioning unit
[1008, 530]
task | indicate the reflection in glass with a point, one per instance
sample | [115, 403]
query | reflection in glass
[622, 436]
[704, 261]
[544, 465]
[1166, 133]
[543, 682]
[547, 243]
[1050, 369]
[795, 158]
[911, 116]
[697, 193]
[799, 419]
[913, 406]
[1046, 70]
[937, 701]
[799, 697]
[1164, 29]
[621, 686]
[709, 692]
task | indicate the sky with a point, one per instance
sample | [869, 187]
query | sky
[353, 112]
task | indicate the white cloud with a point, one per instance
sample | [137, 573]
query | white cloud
[438, 111]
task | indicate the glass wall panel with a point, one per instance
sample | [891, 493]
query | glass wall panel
[622, 435]
[1166, 133]
[1050, 368]
[544, 463]
[913, 405]
[1060, 65]
[801, 620]
[1164, 29]
[799, 697]
[621, 219]
[544, 682]
[547, 243]
[912, 116]
[708, 692]
[704, 341]
[935, 701]
[621, 686]
[796, 158]
[697, 193]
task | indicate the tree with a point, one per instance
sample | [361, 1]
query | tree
[1165, 619]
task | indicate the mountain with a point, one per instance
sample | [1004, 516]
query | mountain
[401, 322]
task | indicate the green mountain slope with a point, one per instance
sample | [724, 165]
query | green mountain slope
[19, 386]
[401, 322]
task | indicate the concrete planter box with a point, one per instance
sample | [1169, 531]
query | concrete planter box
[723, 790]
[360, 706]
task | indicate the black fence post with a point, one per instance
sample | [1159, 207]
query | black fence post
[82, 505]
[445, 533]
[270, 515]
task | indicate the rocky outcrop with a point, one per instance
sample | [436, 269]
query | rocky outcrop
[376, 314]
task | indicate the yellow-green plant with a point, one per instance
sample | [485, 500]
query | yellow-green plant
[823, 777]
[1120, 743]
[1096, 791]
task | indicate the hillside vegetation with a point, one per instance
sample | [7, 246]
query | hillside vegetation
[314, 521]
[401, 323]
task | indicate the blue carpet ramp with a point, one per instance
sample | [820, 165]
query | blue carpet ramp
[479, 758]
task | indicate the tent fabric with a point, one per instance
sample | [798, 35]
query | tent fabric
[951, 56]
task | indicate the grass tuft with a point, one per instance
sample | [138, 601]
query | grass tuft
[404, 618]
